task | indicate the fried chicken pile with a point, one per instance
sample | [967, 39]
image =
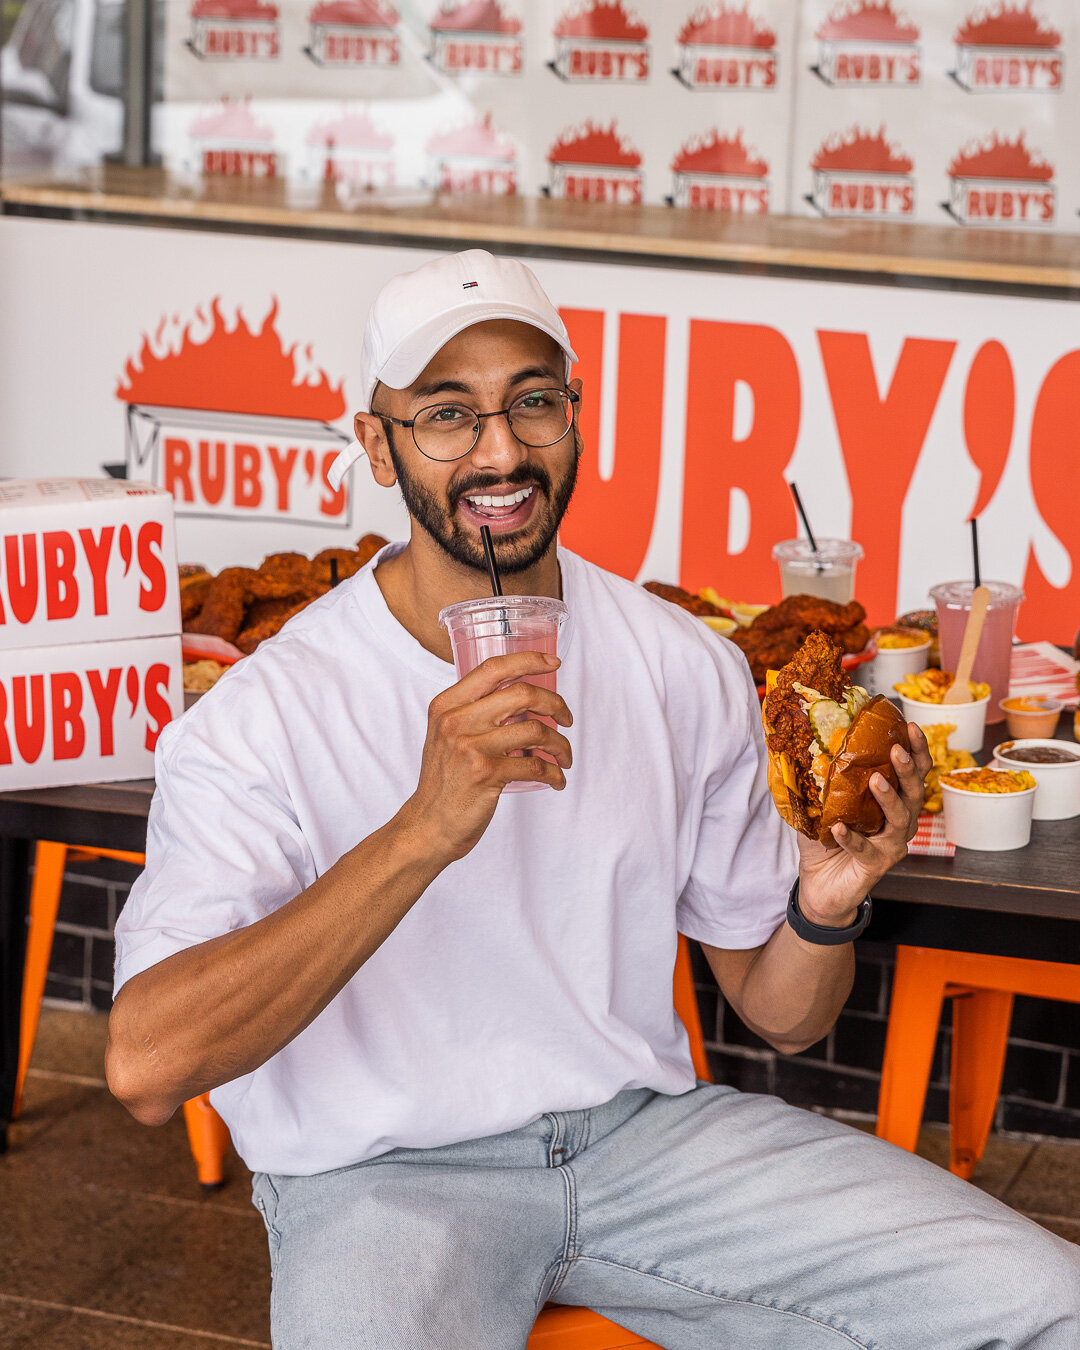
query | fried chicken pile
[694, 604]
[776, 634]
[246, 605]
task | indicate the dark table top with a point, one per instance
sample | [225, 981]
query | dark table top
[1042, 879]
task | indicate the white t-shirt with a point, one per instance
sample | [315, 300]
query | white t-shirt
[533, 975]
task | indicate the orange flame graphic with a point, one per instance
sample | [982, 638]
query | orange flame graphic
[231, 121]
[999, 158]
[724, 27]
[1006, 26]
[357, 13]
[869, 22]
[594, 145]
[605, 19]
[474, 16]
[233, 370]
[720, 154]
[475, 138]
[858, 150]
[351, 131]
[234, 9]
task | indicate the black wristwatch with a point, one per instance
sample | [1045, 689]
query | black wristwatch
[815, 932]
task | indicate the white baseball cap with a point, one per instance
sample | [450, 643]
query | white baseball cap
[417, 313]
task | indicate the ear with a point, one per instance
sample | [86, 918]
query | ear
[579, 443]
[372, 436]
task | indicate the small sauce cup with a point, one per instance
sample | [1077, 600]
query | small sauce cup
[1031, 715]
[1057, 786]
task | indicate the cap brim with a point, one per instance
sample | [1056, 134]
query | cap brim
[410, 357]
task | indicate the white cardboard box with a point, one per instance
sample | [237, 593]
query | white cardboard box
[88, 713]
[85, 560]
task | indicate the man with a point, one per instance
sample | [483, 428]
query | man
[439, 1020]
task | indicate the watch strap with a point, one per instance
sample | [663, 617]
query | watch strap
[818, 933]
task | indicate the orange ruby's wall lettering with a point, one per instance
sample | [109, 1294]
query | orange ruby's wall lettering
[989, 411]
[610, 521]
[1049, 611]
[722, 355]
[881, 440]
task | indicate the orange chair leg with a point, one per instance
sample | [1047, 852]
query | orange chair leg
[49, 862]
[980, 1035]
[918, 992]
[208, 1136]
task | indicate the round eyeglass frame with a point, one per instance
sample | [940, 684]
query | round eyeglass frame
[571, 394]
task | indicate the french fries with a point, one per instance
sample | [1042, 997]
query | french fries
[929, 686]
[943, 760]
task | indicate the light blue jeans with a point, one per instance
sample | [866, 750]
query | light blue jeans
[716, 1219]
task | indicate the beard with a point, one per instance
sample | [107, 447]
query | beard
[439, 520]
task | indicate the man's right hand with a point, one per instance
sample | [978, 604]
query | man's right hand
[467, 755]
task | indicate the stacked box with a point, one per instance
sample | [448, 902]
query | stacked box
[90, 663]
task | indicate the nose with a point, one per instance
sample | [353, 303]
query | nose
[497, 449]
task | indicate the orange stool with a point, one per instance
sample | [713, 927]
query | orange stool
[568, 1328]
[982, 990]
[207, 1133]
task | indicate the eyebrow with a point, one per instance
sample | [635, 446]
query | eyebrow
[459, 387]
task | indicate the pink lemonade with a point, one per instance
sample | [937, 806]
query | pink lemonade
[502, 625]
[994, 655]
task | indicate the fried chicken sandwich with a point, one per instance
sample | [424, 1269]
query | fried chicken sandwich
[826, 737]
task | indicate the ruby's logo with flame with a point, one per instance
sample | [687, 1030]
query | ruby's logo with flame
[476, 36]
[474, 158]
[351, 150]
[353, 33]
[601, 41]
[595, 164]
[862, 175]
[232, 422]
[1008, 49]
[720, 173]
[230, 139]
[234, 30]
[867, 42]
[998, 182]
[721, 47]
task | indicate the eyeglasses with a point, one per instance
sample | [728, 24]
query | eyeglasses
[446, 431]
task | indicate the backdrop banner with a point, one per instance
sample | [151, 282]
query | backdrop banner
[225, 368]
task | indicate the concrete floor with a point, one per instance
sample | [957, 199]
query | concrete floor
[108, 1243]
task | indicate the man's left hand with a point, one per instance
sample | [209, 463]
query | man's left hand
[834, 881]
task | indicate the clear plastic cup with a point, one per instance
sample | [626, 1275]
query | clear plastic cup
[829, 573]
[994, 655]
[498, 626]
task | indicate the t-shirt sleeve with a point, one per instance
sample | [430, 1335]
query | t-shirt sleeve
[746, 857]
[223, 846]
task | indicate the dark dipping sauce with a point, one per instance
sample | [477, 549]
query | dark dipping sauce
[1039, 754]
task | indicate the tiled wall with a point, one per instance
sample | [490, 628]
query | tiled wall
[1040, 1091]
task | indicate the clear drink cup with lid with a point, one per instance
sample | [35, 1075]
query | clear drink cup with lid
[827, 571]
[497, 626]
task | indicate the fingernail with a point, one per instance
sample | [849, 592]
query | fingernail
[903, 756]
[551, 660]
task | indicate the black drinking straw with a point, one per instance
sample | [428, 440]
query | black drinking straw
[489, 558]
[805, 522]
[333, 573]
[975, 550]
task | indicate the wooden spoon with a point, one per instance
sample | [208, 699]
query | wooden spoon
[959, 691]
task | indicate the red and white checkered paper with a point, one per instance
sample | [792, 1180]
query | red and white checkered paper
[1042, 668]
[930, 839]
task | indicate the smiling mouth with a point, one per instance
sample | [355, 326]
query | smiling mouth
[499, 510]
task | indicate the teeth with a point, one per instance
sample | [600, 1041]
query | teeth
[512, 499]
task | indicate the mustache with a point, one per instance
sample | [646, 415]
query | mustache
[523, 475]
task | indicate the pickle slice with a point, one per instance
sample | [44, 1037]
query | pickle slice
[855, 699]
[827, 718]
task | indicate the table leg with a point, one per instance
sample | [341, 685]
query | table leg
[14, 903]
